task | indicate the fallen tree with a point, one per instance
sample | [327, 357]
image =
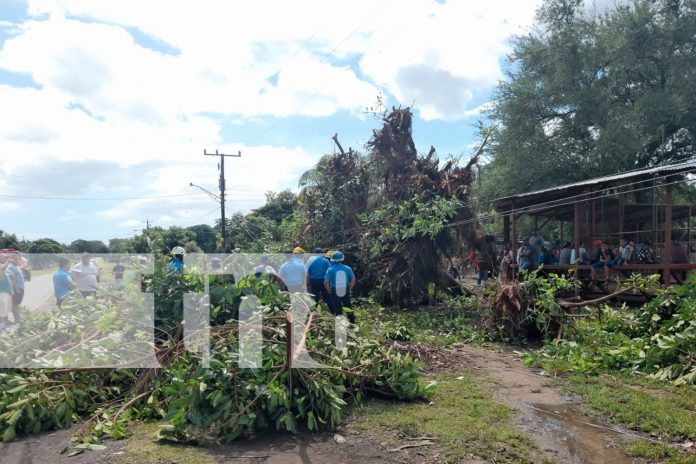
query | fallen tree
[402, 216]
[195, 403]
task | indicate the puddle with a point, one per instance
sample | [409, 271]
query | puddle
[572, 437]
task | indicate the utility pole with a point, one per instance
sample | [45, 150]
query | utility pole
[222, 192]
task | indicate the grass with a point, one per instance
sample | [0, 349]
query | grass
[143, 447]
[649, 450]
[640, 404]
[462, 417]
[453, 322]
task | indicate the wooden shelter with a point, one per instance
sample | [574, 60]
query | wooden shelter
[637, 205]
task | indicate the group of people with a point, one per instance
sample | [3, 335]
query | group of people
[534, 252]
[12, 282]
[324, 275]
[84, 276]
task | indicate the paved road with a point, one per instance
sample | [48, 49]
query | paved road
[38, 290]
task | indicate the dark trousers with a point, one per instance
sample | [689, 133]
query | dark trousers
[339, 302]
[316, 288]
[18, 297]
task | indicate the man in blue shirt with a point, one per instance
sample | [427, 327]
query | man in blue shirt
[292, 272]
[339, 282]
[317, 266]
[14, 267]
[62, 281]
[177, 264]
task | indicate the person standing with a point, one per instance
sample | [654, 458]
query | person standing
[86, 276]
[483, 270]
[6, 291]
[177, 263]
[293, 272]
[264, 267]
[63, 282]
[527, 257]
[15, 264]
[317, 266]
[118, 271]
[339, 282]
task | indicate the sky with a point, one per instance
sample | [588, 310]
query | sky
[107, 107]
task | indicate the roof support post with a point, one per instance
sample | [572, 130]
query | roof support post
[513, 225]
[506, 229]
[576, 238]
[667, 255]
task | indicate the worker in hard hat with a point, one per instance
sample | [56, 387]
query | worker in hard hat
[177, 262]
[293, 272]
[317, 265]
[339, 282]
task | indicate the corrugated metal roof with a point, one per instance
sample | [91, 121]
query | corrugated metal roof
[647, 172]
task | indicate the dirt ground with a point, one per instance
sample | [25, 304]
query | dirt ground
[553, 420]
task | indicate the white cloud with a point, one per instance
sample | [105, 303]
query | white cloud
[9, 205]
[227, 51]
[130, 223]
[107, 95]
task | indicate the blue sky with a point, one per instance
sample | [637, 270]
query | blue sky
[106, 107]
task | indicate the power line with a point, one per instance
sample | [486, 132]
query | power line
[554, 203]
[40, 197]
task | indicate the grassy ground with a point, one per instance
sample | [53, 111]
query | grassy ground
[649, 406]
[144, 448]
[657, 408]
[462, 417]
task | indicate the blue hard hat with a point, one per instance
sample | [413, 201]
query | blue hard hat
[318, 250]
[337, 257]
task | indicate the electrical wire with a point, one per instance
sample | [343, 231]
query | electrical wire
[554, 203]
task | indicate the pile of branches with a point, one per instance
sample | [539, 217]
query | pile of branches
[431, 205]
[398, 215]
[196, 403]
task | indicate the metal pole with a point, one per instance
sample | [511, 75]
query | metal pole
[223, 230]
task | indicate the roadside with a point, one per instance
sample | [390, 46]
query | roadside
[488, 407]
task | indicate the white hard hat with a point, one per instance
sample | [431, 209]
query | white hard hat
[178, 251]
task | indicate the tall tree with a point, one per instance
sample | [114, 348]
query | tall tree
[9, 241]
[593, 94]
[89, 246]
[206, 238]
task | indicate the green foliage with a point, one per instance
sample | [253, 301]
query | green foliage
[88, 246]
[649, 450]
[454, 322]
[658, 340]
[195, 403]
[9, 241]
[542, 292]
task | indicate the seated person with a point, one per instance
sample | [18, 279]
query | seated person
[565, 254]
[582, 259]
[624, 255]
[598, 257]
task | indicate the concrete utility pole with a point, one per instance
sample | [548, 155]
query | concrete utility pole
[222, 156]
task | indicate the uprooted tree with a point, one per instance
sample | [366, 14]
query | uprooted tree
[399, 215]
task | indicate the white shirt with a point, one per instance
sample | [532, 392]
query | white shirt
[85, 276]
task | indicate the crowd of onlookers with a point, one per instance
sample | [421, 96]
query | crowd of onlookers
[601, 256]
